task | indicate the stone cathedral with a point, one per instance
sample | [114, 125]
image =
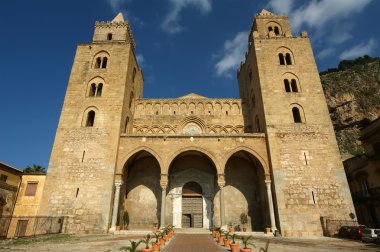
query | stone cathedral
[193, 161]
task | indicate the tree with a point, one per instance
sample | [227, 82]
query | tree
[34, 169]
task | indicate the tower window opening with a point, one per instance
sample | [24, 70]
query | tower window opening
[270, 28]
[130, 100]
[173, 112]
[156, 112]
[253, 100]
[99, 90]
[76, 195]
[281, 58]
[258, 124]
[98, 62]
[90, 119]
[288, 59]
[126, 125]
[109, 36]
[287, 86]
[250, 75]
[276, 30]
[296, 115]
[134, 74]
[104, 63]
[226, 112]
[294, 86]
[92, 90]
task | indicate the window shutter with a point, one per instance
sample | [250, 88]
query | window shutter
[31, 189]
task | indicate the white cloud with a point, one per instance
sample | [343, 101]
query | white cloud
[233, 54]
[140, 59]
[171, 20]
[326, 53]
[316, 14]
[117, 5]
[281, 6]
[359, 50]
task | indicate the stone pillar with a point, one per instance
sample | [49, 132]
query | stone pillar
[270, 205]
[221, 184]
[164, 184]
[116, 204]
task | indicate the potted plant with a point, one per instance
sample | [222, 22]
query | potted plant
[155, 227]
[267, 229]
[132, 247]
[117, 225]
[126, 220]
[146, 241]
[231, 227]
[156, 244]
[220, 239]
[226, 239]
[233, 245]
[266, 247]
[243, 220]
[245, 240]
[162, 240]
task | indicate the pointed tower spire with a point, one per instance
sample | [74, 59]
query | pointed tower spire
[119, 18]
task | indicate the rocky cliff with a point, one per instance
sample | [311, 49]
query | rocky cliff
[353, 96]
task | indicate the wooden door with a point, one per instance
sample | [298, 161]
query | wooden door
[192, 212]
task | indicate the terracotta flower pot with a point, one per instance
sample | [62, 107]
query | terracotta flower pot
[162, 241]
[234, 247]
[226, 242]
[155, 228]
[117, 228]
[147, 250]
[231, 229]
[221, 239]
[213, 233]
[166, 237]
[245, 250]
[156, 246]
[267, 230]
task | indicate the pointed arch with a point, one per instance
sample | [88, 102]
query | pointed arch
[125, 159]
[262, 161]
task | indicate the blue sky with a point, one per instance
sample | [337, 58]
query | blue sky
[183, 46]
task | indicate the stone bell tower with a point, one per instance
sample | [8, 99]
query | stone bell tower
[105, 80]
[280, 85]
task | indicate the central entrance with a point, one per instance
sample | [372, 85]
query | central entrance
[192, 205]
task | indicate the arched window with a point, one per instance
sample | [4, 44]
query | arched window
[281, 58]
[253, 100]
[90, 118]
[99, 90]
[134, 74]
[294, 86]
[276, 30]
[296, 115]
[287, 86]
[270, 28]
[92, 90]
[130, 100]
[98, 62]
[258, 124]
[288, 59]
[104, 62]
[126, 125]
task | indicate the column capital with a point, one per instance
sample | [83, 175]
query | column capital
[164, 181]
[118, 183]
[268, 181]
[221, 180]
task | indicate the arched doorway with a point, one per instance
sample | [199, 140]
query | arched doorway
[141, 191]
[192, 205]
[192, 180]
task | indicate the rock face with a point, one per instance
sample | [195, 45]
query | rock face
[353, 96]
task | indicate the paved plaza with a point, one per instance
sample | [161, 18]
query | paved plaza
[181, 242]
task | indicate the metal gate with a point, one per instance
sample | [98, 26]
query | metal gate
[192, 212]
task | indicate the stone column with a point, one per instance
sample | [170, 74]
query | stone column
[270, 205]
[164, 184]
[221, 184]
[116, 204]
[222, 217]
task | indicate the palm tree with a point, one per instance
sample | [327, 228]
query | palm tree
[34, 169]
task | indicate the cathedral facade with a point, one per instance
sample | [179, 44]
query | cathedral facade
[193, 161]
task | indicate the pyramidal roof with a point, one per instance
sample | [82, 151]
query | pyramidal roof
[264, 12]
[119, 18]
[192, 96]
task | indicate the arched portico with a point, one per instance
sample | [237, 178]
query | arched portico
[140, 193]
